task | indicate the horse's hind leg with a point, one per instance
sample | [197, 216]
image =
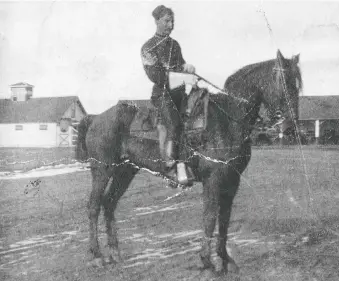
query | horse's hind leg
[121, 179]
[99, 182]
[226, 201]
[210, 208]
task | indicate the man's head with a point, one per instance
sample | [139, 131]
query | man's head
[164, 19]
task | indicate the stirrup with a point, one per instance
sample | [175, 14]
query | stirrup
[185, 174]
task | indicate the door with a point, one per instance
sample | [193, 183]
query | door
[63, 137]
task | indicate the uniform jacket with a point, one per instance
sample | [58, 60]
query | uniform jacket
[159, 55]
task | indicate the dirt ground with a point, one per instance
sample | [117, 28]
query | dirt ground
[284, 224]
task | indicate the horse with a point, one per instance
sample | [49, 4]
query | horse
[218, 159]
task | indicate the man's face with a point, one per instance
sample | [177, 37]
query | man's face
[165, 24]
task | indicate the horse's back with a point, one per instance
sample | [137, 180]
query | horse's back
[115, 118]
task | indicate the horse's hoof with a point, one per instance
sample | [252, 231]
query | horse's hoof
[207, 275]
[207, 264]
[108, 260]
[114, 256]
[115, 259]
[97, 262]
[229, 276]
[233, 268]
[111, 261]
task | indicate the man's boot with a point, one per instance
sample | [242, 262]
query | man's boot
[170, 168]
[124, 152]
[185, 174]
[162, 132]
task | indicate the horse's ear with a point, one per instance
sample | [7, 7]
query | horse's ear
[295, 59]
[279, 55]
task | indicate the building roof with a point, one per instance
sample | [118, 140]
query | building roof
[45, 110]
[21, 85]
[318, 107]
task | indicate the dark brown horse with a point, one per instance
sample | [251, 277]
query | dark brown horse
[218, 156]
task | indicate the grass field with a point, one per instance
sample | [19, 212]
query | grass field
[285, 224]
[12, 159]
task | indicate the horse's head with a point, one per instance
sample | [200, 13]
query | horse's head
[282, 101]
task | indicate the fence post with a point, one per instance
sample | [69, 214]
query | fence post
[317, 130]
[281, 138]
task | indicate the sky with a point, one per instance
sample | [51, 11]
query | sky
[92, 49]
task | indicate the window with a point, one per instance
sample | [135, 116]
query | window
[19, 127]
[43, 127]
[64, 125]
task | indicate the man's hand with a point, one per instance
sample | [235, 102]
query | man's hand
[188, 68]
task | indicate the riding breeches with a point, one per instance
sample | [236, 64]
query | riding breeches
[171, 106]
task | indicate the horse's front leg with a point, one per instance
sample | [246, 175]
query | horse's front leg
[210, 209]
[226, 202]
[227, 194]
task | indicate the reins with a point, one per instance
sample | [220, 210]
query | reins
[220, 90]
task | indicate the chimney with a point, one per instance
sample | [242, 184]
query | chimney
[21, 91]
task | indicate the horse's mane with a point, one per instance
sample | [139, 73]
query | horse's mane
[246, 76]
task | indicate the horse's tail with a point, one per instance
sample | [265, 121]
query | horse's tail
[81, 153]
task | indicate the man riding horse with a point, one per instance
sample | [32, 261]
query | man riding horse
[165, 66]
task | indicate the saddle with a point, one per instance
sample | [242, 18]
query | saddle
[147, 118]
